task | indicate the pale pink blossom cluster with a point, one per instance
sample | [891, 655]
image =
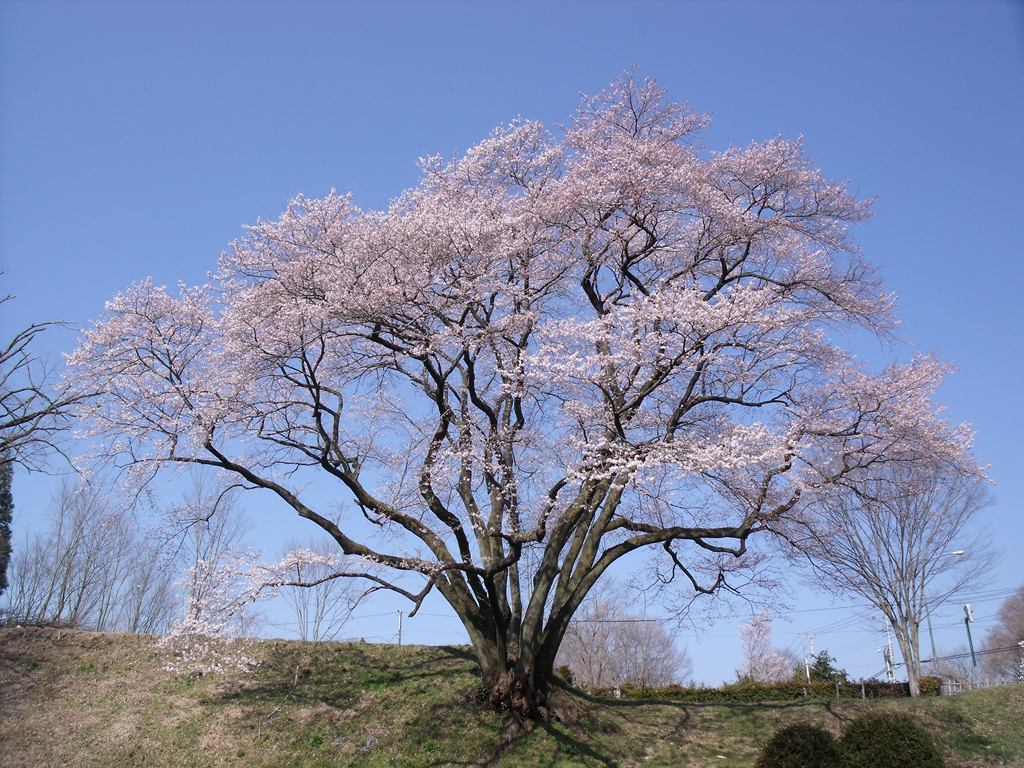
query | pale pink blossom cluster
[210, 636]
[762, 662]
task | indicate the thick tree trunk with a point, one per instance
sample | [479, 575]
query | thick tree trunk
[519, 687]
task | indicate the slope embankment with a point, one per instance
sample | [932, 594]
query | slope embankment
[74, 698]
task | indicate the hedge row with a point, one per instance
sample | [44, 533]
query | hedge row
[789, 691]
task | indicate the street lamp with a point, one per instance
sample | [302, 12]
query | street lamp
[931, 635]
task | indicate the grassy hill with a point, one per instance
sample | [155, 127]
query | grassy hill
[71, 698]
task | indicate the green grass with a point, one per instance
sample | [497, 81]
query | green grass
[86, 699]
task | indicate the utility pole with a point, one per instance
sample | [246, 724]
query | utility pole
[890, 668]
[968, 618]
[399, 628]
[884, 650]
[807, 666]
[931, 635]
[808, 639]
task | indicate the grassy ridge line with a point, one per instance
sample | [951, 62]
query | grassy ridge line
[71, 698]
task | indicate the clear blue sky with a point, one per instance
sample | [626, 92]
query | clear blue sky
[137, 138]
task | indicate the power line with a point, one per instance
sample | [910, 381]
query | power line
[371, 615]
[978, 597]
[967, 655]
[843, 625]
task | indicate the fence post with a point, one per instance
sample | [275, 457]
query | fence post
[863, 693]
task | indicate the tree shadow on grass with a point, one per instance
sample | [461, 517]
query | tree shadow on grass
[335, 676]
[649, 714]
[567, 744]
[428, 691]
[625, 704]
[576, 747]
[340, 676]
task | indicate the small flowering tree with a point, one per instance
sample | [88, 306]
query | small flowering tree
[553, 353]
[762, 662]
[206, 531]
[209, 636]
[222, 581]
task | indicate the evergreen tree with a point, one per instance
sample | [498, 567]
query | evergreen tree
[6, 513]
[822, 667]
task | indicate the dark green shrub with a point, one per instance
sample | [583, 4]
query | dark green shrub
[930, 686]
[889, 740]
[801, 745]
[877, 689]
[822, 668]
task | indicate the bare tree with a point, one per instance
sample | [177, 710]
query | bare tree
[6, 513]
[606, 646]
[955, 666]
[33, 405]
[91, 566]
[648, 655]
[1007, 664]
[72, 565]
[899, 537]
[34, 409]
[148, 602]
[323, 608]
[591, 645]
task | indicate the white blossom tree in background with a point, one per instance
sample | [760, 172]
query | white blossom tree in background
[553, 353]
[762, 662]
[223, 582]
[207, 530]
[215, 607]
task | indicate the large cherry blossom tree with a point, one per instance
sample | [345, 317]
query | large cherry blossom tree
[556, 351]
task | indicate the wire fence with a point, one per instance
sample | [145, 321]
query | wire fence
[953, 687]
